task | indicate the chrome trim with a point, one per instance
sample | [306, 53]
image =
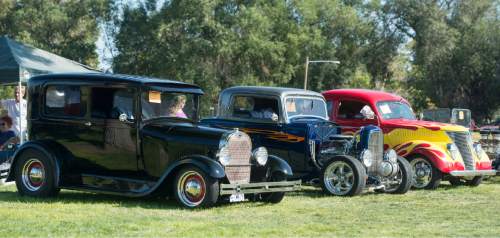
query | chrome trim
[339, 178]
[191, 189]
[468, 173]
[33, 174]
[265, 187]
[312, 149]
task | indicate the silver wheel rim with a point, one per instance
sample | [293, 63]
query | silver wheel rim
[339, 178]
[422, 172]
[398, 178]
[191, 188]
[33, 175]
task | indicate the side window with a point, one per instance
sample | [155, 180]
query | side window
[249, 107]
[329, 108]
[64, 101]
[351, 109]
[110, 103]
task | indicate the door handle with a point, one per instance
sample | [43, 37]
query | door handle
[88, 123]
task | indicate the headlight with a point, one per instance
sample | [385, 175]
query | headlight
[391, 156]
[260, 154]
[455, 154]
[367, 158]
[479, 149]
[224, 156]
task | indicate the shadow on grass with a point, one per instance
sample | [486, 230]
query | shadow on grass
[73, 197]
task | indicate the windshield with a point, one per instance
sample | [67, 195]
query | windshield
[156, 104]
[305, 107]
[395, 110]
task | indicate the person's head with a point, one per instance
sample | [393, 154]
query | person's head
[176, 104]
[19, 93]
[5, 123]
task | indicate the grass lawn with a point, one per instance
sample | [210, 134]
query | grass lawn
[448, 211]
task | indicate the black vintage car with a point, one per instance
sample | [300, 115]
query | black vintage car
[293, 124]
[137, 136]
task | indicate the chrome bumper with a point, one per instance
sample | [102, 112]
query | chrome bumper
[265, 187]
[471, 173]
[4, 170]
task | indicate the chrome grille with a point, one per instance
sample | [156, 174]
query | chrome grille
[376, 146]
[239, 146]
[463, 141]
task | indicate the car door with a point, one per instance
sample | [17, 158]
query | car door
[112, 131]
[348, 114]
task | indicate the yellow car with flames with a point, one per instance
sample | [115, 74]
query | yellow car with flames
[436, 151]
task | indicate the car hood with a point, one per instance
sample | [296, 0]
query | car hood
[415, 124]
[188, 132]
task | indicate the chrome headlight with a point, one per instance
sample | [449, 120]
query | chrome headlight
[391, 156]
[454, 152]
[367, 158]
[260, 155]
[223, 155]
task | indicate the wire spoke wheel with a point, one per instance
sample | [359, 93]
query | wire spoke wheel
[422, 172]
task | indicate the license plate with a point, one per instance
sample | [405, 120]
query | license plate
[238, 197]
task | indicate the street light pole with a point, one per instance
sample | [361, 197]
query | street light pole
[315, 61]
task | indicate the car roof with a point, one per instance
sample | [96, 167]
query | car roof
[271, 91]
[372, 96]
[112, 78]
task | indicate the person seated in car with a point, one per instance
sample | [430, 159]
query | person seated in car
[176, 106]
[7, 135]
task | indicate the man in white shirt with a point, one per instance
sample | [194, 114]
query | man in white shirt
[19, 116]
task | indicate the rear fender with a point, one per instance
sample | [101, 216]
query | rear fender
[50, 149]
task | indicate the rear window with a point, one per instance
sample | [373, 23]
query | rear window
[64, 101]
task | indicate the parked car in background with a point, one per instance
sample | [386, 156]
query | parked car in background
[457, 116]
[133, 136]
[293, 124]
[435, 150]
[490, 142]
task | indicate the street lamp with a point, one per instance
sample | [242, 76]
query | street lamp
[316, 61]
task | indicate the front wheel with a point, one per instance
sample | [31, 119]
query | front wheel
[474, 182]
[35, 175]
[343, 177]
[425, 175]
[275, 197]
[403, 177]
[194, 188]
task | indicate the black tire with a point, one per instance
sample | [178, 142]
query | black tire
[34, 174]
[474, 182]
[435, 174]
[406, 177]
[358, 180]
[208, 188]
[276, 197]
[454, 181]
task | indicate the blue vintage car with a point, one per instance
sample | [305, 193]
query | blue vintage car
[293, 124]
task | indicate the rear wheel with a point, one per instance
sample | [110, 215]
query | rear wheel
[474, 182]
[425, 175]
[35, 175]
[343, 177]
[404, 177]
[194, 188]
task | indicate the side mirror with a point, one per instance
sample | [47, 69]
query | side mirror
[124, 118]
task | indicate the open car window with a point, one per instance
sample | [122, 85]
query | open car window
[351, 110]
[157, 104]
[110, 103]
[256, 108]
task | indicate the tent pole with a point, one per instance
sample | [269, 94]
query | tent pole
[20, 121]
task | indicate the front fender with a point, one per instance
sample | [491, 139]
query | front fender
[47, 148]
[438, 157]
[208, 165]
[277, 164]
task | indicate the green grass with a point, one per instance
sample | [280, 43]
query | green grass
[448, 211]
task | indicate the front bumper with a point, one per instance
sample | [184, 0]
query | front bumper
[4, 170]
[471, 173]
[265, 187]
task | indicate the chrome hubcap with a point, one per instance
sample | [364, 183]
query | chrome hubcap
[422, 172]
[33, 174]
[191, 188]
[339, 178]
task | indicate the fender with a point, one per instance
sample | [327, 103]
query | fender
[439, 158]
[208, 165]
[45, 147]
[277, 164]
